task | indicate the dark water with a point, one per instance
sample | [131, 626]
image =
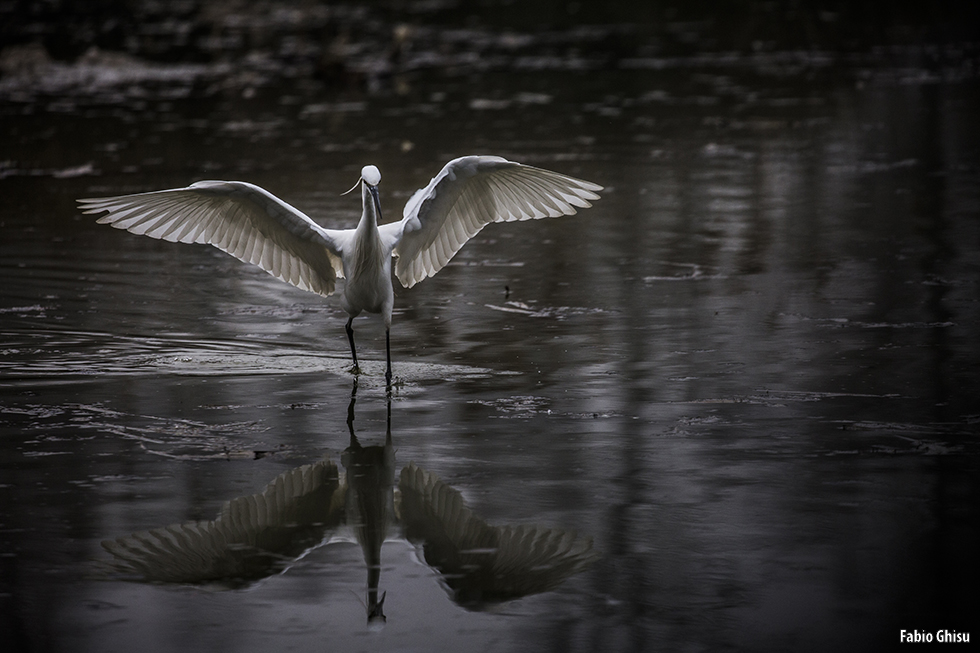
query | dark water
[748, 375]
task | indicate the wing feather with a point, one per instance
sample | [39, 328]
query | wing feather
[239, 218]
[468, 194]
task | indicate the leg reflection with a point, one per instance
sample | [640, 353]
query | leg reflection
[370, 502]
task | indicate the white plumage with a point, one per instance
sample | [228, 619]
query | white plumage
[254, 226]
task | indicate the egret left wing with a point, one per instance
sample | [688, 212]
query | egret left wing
[239, 218]
[468, 194]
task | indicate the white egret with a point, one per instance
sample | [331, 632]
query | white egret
[254, 226]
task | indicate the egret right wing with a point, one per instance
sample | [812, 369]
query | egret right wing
[239, 218]
[468, 194]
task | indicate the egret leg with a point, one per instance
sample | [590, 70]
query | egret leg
[388, 354]
[350, 413]
[353, 352]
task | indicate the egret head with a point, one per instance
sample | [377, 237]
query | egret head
[371, 175]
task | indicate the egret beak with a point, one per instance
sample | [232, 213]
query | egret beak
[377, 201]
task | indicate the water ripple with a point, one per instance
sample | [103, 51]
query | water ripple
[55, 354]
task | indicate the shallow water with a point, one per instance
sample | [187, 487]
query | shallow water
[748, 373]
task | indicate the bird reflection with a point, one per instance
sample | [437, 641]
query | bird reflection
[260, 535]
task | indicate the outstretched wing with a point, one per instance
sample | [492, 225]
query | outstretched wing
[239, 218]
[468, 194]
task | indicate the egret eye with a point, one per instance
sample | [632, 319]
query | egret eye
[371, 175]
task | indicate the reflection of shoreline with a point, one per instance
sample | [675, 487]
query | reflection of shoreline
[257, 536]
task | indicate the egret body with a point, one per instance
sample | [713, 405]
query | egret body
[254, 226]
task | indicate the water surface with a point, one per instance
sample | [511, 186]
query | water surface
[747, 375]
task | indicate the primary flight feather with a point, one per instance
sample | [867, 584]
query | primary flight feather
[254, 226]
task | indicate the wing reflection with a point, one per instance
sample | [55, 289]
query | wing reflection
[263, 534]
[482, 564]
[253, 537]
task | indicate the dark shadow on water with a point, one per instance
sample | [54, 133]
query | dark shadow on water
[302, 509]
